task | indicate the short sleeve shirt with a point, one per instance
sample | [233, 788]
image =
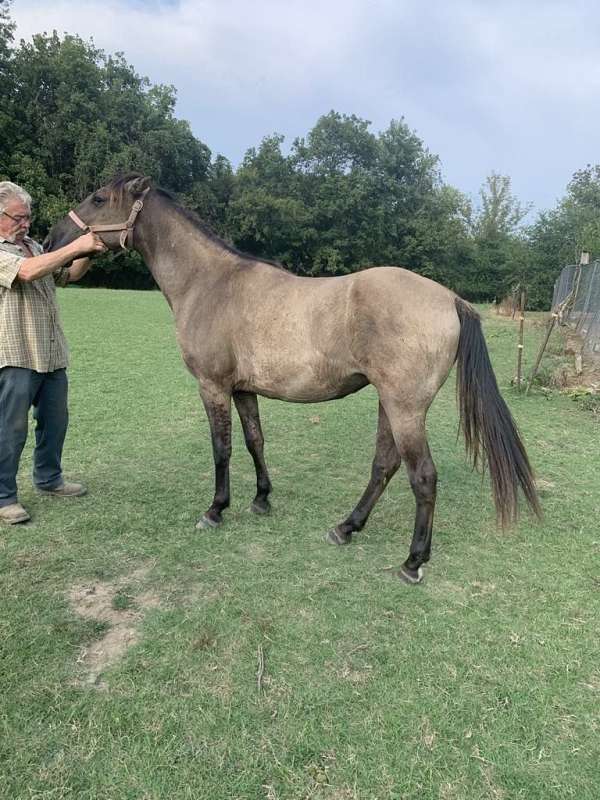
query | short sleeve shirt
[31, 335]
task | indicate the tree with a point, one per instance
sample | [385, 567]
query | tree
[501, 213]
[343, 198]
[76, 117]
[441, 242]
[364, 191]
[7, 28]
[559, 236]
[501, 249]
[267, 215]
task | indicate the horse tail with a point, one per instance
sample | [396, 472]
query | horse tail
[487, 423]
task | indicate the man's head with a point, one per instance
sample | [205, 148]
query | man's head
[15, 211]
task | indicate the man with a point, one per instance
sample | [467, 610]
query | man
[33, 350]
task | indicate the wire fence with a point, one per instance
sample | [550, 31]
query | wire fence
[577, 301]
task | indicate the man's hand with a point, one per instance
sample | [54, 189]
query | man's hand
[88, 244]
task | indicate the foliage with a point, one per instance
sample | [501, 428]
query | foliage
[7, 28]
[345, 198]
[586, 398]
[77, 117]
[501, 249]
[337, 200]
[559, 236]
[501, 212]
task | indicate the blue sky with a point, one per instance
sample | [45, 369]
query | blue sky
[503, 86]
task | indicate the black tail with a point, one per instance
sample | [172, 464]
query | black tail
[487, 423]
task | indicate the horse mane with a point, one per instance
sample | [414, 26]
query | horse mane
[116, 189]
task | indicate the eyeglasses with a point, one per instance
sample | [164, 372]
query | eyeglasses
[18, 219]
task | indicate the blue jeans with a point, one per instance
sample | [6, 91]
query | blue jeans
[47, 393]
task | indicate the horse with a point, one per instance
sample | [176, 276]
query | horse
[248, 327]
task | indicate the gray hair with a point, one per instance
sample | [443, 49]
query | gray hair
[9, 190]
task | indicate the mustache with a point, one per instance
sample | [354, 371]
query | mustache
[12, 237]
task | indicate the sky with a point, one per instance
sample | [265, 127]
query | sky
[487, 85]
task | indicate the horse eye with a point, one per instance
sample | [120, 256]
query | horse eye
[97, 200]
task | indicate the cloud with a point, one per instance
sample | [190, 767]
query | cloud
[506, 86]
[227, 45]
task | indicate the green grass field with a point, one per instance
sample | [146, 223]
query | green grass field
[141, 658]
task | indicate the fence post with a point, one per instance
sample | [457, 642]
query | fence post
[553, 319]
[514, 295]
[520, 345]
[561, 308]
[584, 260]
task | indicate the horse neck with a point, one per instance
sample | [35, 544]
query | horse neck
[180, 255]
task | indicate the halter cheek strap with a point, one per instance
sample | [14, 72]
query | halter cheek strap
[126, 228]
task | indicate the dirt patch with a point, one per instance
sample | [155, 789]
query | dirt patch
[348, 671]
[495, 792]
[450, 590]
[118, 605]
[482, 589]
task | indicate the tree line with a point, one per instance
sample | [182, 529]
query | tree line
[337, 200]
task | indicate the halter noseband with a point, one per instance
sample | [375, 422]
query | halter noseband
[126, 228]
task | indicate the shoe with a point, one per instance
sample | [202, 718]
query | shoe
[13, 514]
[66, 490]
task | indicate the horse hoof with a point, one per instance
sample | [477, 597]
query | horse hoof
[206, 523]
[261, 507]
[410, 576]
[333, 536]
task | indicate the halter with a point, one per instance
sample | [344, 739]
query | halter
[126, 228]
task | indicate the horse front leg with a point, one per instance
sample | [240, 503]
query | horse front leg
[218, 410]
[247, 407]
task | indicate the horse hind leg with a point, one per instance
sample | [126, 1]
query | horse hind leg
[410, 438]
[385, 464]
[422, 475]
[247, 408]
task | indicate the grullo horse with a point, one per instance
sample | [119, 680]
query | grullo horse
[247, 327]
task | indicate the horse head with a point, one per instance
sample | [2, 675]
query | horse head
[111, 212]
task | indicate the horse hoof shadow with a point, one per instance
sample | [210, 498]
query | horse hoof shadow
[261, 508]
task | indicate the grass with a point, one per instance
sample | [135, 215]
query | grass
[484, 682]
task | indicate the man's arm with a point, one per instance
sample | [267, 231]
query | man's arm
[78, 269]
[36, 267]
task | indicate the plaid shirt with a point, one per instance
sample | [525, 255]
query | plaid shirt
[30, 331]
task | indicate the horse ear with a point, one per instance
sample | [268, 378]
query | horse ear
[137, 185]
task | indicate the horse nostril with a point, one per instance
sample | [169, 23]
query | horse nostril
[47, 244]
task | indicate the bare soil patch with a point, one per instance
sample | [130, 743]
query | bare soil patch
[103, 602]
